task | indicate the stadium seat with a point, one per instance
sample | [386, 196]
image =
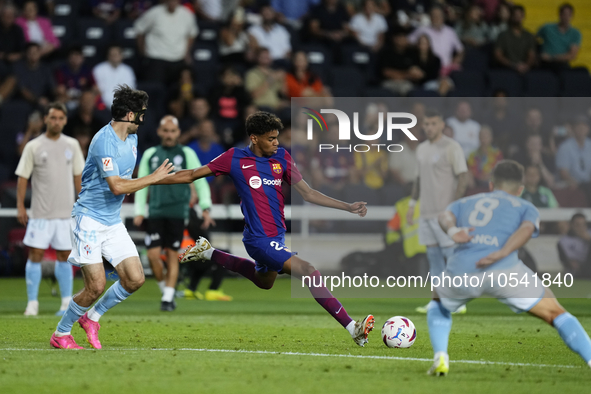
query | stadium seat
[66, 8]
[346, 81]
[94, 35]
[205, 53]
[476, 60]
[423, 93]
[14, 117]
[576, 83]
[318, 55]
[362, 58]
[508, 80]
[208, 31]
[540, 83]
[124, 34]
[469, 84]
[63, 28]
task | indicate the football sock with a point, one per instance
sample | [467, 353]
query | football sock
[161, 286]
[112, 297]
[236, 264]
[436, 260]
[574, 335]
[73, 313]
[168, 294]
[33, 278]
[439, 321]
[326, 300]
[65, 279]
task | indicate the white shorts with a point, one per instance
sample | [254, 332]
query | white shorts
[520, 298]
[430, 233]
[92, 241]
[41, 233]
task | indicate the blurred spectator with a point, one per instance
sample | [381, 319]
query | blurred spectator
[368, 26]
[482, 161]
[135, 8]
[410, 13]
[430, 66]
[534, 125]
[395, 64]
[198, 112]
[34, 80]
[235, 44]
[264, 84]
[489, 8]
[466, 129]
[448, 131]
[12, 38]
[330, 171]
[73, 77]
[7, 82]
[107, 10]
[560, 41]
[444, 41]
[574, 248]
[271, 35]
[37, 29]
[473, 31]
[501, 20]
[111, 73]
[403, 165]
[182, 92]
[573, 158]
[34, 128]
[355, 6]
[210, 10]
[228, 100]
[292, 12]
[515, 47]
[328, 22]
[533, 154]
[207, 144]
[501, 118]
[166, 48]
[371, 168]
[301, 82]
[84, 123]
[534, 192]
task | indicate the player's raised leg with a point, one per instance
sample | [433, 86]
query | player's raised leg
[569, 328]
[439, 322]
[94, 285]
[65, 279]
[33, 279]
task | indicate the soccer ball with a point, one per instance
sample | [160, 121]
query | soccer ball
[399, 332]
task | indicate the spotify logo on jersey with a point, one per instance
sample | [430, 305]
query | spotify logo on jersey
[255, 182]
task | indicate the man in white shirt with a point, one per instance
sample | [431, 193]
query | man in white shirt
[271, 35]
[165, 35]
[466, 130]
[111, 73]
[369, 27]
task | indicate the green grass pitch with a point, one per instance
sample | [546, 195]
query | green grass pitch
[278, 344]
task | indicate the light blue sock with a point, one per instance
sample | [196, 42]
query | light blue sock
[65, 277]
[436, 260]
[112, 297]
[439, 321]
[73, 313]
[33, 278]
[574, 335]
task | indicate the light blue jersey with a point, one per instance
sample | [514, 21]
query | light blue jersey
[107, 156]
[495, 216]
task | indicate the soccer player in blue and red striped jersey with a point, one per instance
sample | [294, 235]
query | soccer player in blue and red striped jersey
[258, 172]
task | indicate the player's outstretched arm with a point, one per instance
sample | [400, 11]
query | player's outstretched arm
[186, 176]
[447, 222]
[315, 197]
[121, 186]
[515, 242]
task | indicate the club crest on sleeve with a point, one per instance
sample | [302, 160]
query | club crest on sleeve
[277, 168]
[107, 164]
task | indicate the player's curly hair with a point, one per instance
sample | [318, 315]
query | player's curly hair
[262, 122]
[127, 100]
[508, 171]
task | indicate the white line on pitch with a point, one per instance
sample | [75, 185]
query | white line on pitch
[478, 362]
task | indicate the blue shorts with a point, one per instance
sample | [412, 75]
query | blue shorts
[269, 254]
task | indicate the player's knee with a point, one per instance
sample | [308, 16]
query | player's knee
[96, 289]
[36, 255]
[306, 269]
[133, 284]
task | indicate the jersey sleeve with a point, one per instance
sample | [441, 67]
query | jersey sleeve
[531, 214]
[455, 156]
[103, 155]
[292, 174]
[222, 164]
[201, 185]
[26, 162]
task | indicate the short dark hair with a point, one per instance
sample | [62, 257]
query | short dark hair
[564, 6]
[262, 122]
[56, 105]
[507, 171]
[31, 45]
[75, 49]
[127, 100]
[517, 7]
[432, 113]
[578, 215]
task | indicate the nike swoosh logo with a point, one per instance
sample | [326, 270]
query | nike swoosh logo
[339, 310]
[244, 167]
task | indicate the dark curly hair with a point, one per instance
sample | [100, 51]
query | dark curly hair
[507, 171]
[262, 122]
[127, 100]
